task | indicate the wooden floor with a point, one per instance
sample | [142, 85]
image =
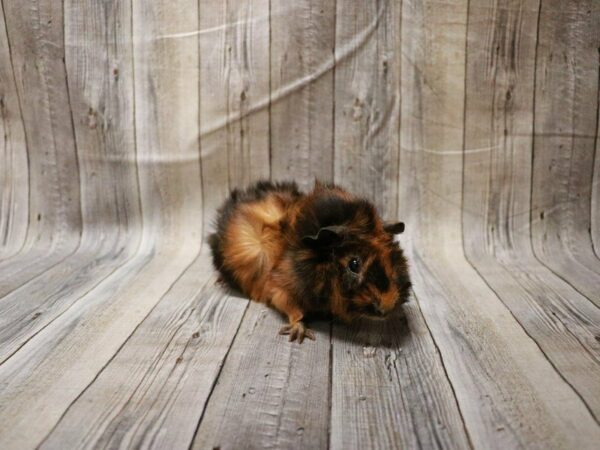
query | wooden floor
[134, 348]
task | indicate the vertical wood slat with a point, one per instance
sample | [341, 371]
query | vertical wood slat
[234, 95]
[37, 39]
[367, 101]
[166, 123]
[467, 320]
[301, 112]
[501, 48]
[14, 184]
[235, 411]
[499, 120]
[565, 135]
[101, 322]
[37, 51]
[380, 397]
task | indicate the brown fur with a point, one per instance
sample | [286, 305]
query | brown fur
[294, 252]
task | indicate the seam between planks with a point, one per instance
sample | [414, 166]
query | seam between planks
[441, 358]
[134, 126]
[533, 249]
[218, 375]
[68, 92]
[595, 175]
[332, 175]
[270, 104]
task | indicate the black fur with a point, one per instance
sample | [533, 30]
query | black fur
[329, 210]
[376, 275]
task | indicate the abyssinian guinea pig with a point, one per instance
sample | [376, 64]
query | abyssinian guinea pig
[326, 251]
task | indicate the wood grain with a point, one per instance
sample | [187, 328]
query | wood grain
[160, 380]
[564, 145]
[271, 393]
[367, 100]
[14, 195]
[390, 388]
[234, 95]
[496, 370]
[301, 109]
[500, 118]
[36, 44]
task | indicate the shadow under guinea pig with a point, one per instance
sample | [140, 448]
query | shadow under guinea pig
[390, 333]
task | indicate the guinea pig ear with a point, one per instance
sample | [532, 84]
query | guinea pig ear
[326, 236]
[394, 228]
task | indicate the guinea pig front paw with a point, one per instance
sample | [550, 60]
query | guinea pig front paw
[298, 331]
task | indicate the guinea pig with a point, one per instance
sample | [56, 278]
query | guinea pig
[326, 251]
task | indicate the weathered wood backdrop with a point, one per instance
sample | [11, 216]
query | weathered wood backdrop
[123, 124]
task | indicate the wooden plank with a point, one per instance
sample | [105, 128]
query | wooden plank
[595, 198]
[234, 95]
[367, 100]
[14, 192]
[99, 60]
[390, 389]
[28, 310]
[166, 122]
[499, 118]
[37, 53]
[564, 145]
[46, 375]
[37, 50]
[381, 397]
[152, 393]
[99, 324]
[500, 377]
[301, 112]
[271, 393]
[563, 323]
[101, 85]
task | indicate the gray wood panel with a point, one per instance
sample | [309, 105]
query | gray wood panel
[564, 145]
[270, 394]
[497, 371]
[367, 100]
[153, 391]
[390, 388]
[35, 38]
[500, 118]
[302, 82]
[14, 197]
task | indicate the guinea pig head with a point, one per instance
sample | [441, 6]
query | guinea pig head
[359, 267]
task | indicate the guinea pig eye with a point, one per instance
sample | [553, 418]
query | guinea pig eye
[354, 265]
